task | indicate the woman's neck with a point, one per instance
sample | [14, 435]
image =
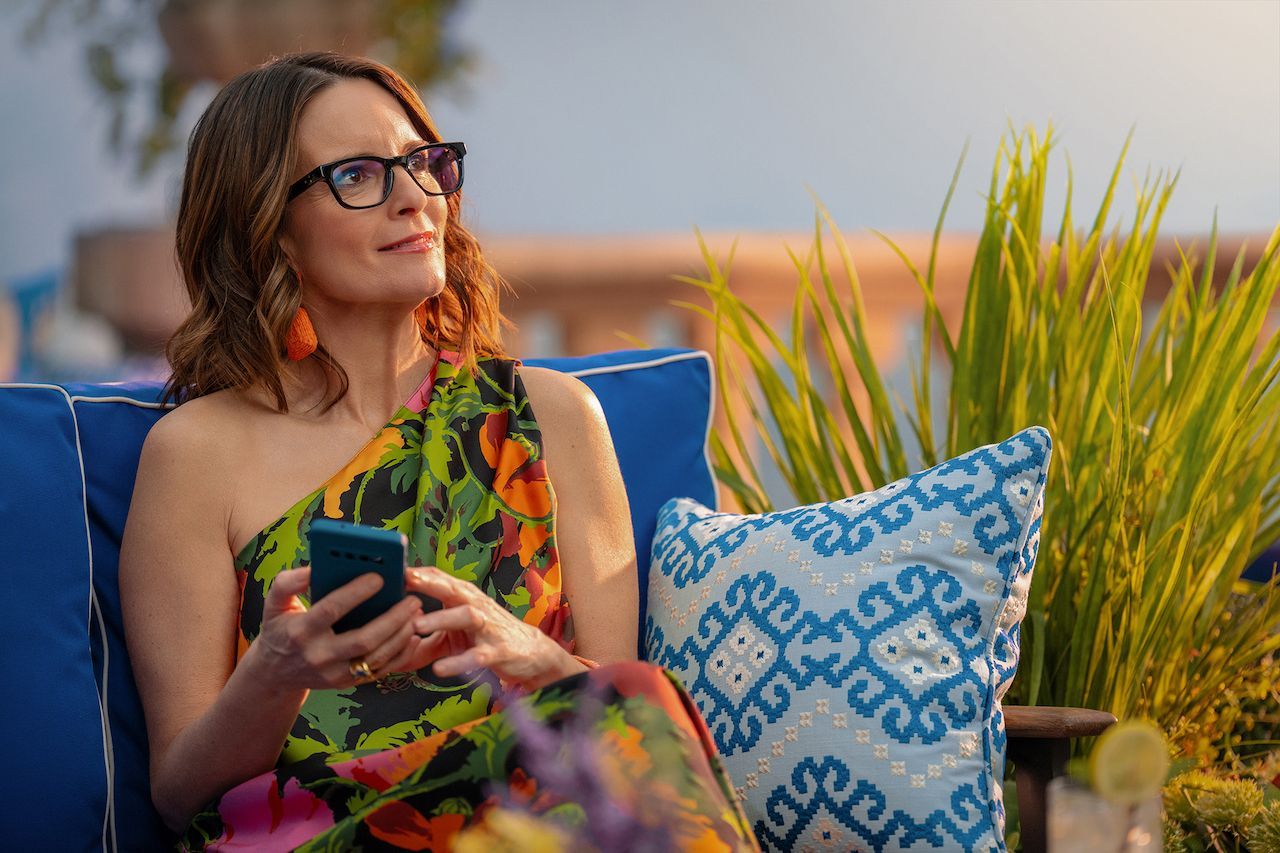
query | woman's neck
[380, 379]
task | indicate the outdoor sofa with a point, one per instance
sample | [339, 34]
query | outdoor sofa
[77, 750]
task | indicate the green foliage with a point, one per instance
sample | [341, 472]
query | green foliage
[1209, 811]
[1199, 796]
[417, 43]
[1263, 834]
[1164, 410]
[410, 35]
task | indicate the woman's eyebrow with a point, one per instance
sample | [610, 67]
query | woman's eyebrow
[404, 149]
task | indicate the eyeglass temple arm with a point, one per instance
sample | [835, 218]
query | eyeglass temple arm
[306, 181]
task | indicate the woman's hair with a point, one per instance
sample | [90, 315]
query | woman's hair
[244, 294]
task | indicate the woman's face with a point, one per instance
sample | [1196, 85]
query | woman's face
[338, 251]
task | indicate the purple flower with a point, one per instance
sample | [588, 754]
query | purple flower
[566, 762]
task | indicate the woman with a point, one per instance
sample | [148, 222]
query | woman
[332, 283]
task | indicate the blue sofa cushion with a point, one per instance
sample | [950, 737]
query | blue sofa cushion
[57, 781]
[68, 457]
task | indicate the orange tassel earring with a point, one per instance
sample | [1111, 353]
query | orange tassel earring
[301, 339]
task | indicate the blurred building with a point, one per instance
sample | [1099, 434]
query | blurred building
[575, 295]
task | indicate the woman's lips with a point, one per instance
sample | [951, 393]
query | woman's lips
[424, 243]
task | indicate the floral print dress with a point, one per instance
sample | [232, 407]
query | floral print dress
[412, 760]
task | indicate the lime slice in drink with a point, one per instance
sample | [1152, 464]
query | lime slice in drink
[1129, 762]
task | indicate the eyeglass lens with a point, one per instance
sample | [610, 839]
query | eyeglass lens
[364, 182]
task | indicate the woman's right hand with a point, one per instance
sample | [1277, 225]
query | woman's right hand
[298, 649]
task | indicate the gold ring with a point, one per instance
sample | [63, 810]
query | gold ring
[360, 670]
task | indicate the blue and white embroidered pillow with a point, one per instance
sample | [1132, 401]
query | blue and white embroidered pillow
[849, 657]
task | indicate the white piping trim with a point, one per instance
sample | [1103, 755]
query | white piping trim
[83, 398]
[706, 441]
[106, 720]
[80, 398]
[711, 402]
[108, 756]
[636, 365]
[44, 385]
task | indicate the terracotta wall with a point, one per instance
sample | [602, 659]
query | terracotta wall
[577, 295]
[596, 288]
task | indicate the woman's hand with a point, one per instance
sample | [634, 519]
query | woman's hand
[298, 648]
[472, 631]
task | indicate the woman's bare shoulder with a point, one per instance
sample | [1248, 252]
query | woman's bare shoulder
[207, 422]
[571, 421]
[199, 445]
[560, 400]
[186, 481]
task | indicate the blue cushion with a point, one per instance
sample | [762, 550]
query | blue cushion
[657, 404]
[56, 792]
[849, 657]
[1264, 568]
[113, 421]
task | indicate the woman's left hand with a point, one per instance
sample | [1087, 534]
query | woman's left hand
[472, 631]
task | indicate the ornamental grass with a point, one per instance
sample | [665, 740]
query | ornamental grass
[1164, 411]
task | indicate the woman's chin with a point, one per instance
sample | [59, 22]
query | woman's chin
[430, 267]
[420, 282]
[435, 286]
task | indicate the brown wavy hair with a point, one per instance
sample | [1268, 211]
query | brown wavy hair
[244, 294]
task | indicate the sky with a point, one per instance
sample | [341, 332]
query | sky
[725, 115]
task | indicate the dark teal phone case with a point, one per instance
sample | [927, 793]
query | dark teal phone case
[342, 551]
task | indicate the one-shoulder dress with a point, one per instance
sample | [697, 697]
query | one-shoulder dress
[414, 761]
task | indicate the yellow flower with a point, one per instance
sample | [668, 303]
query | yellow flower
[507, 831]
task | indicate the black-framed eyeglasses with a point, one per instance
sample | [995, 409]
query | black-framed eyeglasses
[361, 182]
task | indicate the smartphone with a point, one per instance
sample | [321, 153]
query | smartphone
[342, 551]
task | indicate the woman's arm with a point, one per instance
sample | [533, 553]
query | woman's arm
[212, 724]
[180, 599]
[593, 521]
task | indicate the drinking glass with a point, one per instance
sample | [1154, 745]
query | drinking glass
[1080, 821]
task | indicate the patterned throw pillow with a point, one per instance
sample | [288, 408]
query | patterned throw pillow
[849, 657]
